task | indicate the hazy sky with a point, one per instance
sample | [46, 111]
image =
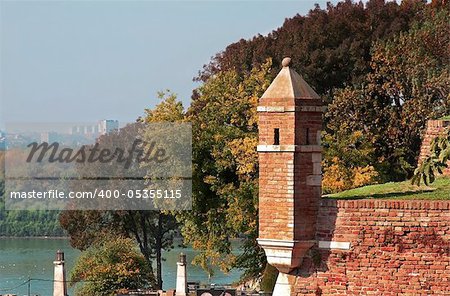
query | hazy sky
[89, 60]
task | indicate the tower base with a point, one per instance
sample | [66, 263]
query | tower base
[284, 285]
[285, 255]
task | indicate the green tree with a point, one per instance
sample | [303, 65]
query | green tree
[153, 231]
[170, 109]
[2, 190]
[164, 224]
[2, 173]
[329, 46]
[347, 161]
[27, 223]
[110, 266]
[408, 84]
[225, 164]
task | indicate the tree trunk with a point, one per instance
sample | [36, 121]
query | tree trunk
[158, 246]
[142, 242]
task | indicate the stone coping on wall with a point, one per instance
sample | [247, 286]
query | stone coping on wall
[387, 204]
[438, 123]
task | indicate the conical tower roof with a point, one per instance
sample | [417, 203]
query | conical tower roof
[289, 85]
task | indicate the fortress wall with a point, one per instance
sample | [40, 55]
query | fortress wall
[396, 248]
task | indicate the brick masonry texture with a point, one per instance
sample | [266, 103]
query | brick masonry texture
[288, 193]
[397, 248]
[434, 129]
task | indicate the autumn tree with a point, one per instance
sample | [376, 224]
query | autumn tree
[338, 49]
[225, 170]
[2, 173]
[153, 231]
[330, 46]
[110, 266]
[2, 186]
[170, 109]
[347, 161]
[408, 84]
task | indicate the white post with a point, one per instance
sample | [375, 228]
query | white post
[284, 285]
[59, 280]
[181, 289]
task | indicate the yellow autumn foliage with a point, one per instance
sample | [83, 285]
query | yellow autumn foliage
[337, 177]
[245, 155]
[363, 176]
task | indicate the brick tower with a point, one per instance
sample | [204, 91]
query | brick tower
[290, 121]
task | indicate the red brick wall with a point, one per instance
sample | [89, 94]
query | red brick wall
[276, 206]
[434, 129]
[283, 121]
[397, 248]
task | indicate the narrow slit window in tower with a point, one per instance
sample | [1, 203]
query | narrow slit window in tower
[276, 136]
[307, 136]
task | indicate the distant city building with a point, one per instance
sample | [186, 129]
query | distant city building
[107, 126]
[49, 137]
[85, 130]
[2, 140]
[102, 127]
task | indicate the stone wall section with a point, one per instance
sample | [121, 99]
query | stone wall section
[396, 248]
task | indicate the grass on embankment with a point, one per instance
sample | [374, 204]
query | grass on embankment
[440, 189]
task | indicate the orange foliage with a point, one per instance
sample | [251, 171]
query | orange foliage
[337, 177]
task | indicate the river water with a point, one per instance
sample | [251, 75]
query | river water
[23, 258]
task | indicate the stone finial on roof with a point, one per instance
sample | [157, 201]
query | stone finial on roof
[289, 85]
[286, 61]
